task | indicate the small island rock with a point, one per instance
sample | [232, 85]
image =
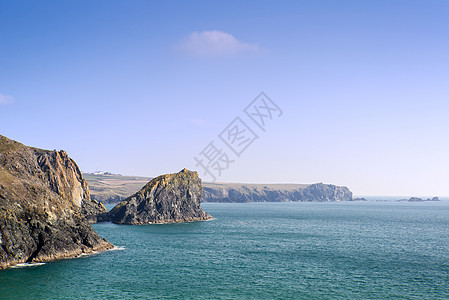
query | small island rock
[170, 198]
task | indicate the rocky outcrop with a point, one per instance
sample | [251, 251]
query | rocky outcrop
[112, 189]
[170, 198]
[318, 192]
[360, 199]
[417, 199]
[65, 179]
[44, 203]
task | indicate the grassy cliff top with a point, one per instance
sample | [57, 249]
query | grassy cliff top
[257, 186]
[7, 145]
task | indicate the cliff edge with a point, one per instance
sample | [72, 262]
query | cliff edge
[170, 198]
[44, 206]
[236, 192]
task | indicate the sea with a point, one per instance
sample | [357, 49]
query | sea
[332, 250]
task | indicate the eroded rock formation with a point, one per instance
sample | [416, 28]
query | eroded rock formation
[44, 203]
[170, 198]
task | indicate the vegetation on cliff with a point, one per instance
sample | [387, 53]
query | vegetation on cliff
[112, 188]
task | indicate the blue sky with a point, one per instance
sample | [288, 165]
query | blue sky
[142, 87]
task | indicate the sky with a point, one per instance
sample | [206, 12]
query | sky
[356, 93]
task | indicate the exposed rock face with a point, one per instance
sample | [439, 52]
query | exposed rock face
[43, 203]
[168, 198]
[318, 192]
[65, 179]
[321, 192]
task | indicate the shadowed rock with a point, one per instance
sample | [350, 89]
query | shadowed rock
[44, 202]
[170, 198]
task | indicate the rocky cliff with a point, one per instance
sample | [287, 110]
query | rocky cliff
[232, 192]
[113, 188]
[44, 202]
[170, 198]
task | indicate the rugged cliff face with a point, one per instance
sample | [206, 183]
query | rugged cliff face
[168, 198]
[113, 188]
[44, 202]
[66, 179]
[318, 192]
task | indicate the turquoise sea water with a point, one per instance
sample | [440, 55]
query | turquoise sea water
[362, 250]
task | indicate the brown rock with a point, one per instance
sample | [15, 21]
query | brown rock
[170, 198]
[43, 203]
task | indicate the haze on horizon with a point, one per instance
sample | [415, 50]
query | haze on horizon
[142, 87]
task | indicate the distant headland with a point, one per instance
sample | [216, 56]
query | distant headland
[110, 189]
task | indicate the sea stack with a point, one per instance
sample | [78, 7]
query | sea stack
[170, 198]
[44, 206]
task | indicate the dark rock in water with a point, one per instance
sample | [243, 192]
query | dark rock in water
[416, 199]
[168, 198]
[360, 199]
[233, 192]
[44, 202]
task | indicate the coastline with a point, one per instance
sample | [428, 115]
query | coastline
[104, 246]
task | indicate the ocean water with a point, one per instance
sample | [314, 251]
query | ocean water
[360, 250]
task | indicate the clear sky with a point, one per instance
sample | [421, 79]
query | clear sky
[142, 87]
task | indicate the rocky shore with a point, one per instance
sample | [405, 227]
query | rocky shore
[44, 206]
